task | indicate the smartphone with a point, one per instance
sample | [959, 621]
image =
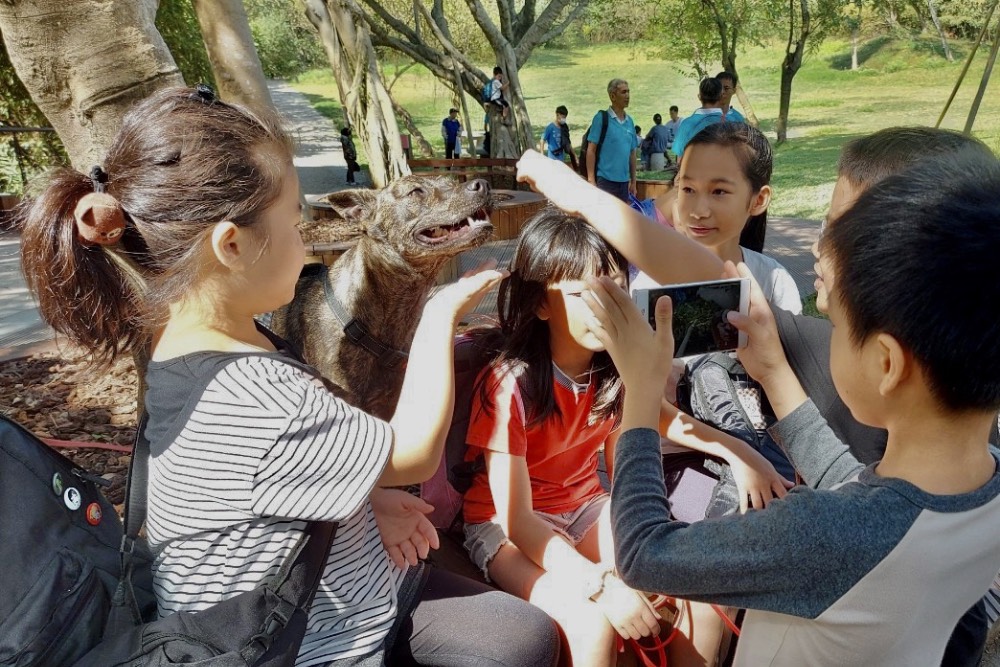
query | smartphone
[699, 321]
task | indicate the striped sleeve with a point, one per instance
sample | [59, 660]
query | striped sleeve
[325, 458]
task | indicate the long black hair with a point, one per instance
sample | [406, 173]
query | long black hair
[553, 246]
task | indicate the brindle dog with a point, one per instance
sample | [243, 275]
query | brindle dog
[407, 232]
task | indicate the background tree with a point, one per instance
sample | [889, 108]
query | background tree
[285, 39]
[699, 31]
[808, 22]
[363, 94]
[225, 29]
[426, 36]
[84, 63]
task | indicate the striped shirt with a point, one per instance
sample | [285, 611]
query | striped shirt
[245, 448]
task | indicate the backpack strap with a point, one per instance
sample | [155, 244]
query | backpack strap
[600, 140]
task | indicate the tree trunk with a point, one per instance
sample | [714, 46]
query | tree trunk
[784, 103]
[937, 26]
[366, 100]
[729, 65]
[503, 140]
[854, 50]
[85, 63]
[794, 51]
[517, 118]
[225, 29]
[425, 148]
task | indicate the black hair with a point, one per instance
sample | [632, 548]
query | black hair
[345, 130]
[753, 151]
[452, 110]
[561, 110]
[497, 70]
[727, 75]
[915, 257]
[710, 90]
[553, 246]
[674, 107]
[657, 118]
[638, 130]
[867, 160]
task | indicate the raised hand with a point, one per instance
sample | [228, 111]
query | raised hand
[462, 296]
[558, 183]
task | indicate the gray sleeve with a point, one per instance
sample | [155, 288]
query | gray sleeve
[776, 559]
[814, 449]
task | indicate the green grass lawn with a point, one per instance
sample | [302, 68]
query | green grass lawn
[901, 82]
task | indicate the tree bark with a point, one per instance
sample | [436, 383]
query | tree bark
[854, 50]
[794, 50]
[85, 63]
[932, 8]
[425, 148]
[366, 101]
[503, 140]
[728, 40]
[225, 29]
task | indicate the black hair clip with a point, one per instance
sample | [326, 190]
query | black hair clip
[99, 178]
[205, 93]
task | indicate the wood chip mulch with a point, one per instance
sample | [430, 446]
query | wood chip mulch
[64, 397]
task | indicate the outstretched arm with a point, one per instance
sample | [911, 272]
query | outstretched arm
[661, 252]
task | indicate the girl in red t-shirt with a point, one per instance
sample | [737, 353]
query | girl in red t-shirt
[536, 517]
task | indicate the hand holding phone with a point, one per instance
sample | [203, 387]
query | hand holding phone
[699, 313]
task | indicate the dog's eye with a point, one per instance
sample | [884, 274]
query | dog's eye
[417, 192]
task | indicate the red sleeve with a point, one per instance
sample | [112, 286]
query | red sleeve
[502, 428]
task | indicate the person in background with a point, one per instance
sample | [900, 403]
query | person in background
[450, 128]
[659, 138]
[710, 95]
[552, 143]
[615, 171]
[350, 154]
[729, 81]
[672, 125]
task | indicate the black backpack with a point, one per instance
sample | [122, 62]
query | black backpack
[718, 391]
[600, 144]
[60, 554]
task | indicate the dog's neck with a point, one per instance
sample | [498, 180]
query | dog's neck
[384, 291]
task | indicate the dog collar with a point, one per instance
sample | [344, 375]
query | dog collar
[358, 333]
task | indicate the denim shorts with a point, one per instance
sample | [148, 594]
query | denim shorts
[483, 540]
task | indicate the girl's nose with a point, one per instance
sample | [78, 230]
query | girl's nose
[699, 209]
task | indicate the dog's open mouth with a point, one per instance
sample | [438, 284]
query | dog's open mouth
[462, 229]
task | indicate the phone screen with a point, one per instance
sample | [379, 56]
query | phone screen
[699, 320]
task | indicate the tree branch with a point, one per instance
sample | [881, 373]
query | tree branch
[389, 19]
[535, 35]
[493, 35]
[445, 42]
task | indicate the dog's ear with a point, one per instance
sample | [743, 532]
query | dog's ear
[352, 205]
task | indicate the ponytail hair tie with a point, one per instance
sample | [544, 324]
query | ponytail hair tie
[100, 219]
[204, 93]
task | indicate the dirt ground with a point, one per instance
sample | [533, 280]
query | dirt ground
[63, 397]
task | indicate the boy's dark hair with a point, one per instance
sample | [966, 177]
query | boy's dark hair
[674, 107]
[553, 246]
[915, 257]
[452, 110]
[710, 90]
[561, 110]
[732, 78]
[753, 152]
[867, 160]
[345, 130]
[179, 164]
[497, 70]
[657, 118]
[638, 130]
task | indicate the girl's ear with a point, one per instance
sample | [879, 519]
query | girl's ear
[542, 311]
[227, 243]
[760, 201]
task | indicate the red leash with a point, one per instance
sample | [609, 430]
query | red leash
[654, 654]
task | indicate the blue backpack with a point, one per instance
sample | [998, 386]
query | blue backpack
[488, 91]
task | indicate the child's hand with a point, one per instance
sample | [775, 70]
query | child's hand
[763, 356]
[556, 182]
[644, 358]
[758, 481]
[461, 297]
[406, 533]
[628, 611]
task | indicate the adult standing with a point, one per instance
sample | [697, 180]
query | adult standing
[611, 162]
[729, 113]
[672, 125]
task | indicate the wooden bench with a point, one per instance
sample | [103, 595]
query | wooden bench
[500, 173]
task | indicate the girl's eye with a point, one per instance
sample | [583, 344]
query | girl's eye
[720, 191]
[687, 190]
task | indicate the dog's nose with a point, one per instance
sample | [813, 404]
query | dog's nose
[478, 185]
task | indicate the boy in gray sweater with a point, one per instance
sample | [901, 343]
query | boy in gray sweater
[868, 565]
